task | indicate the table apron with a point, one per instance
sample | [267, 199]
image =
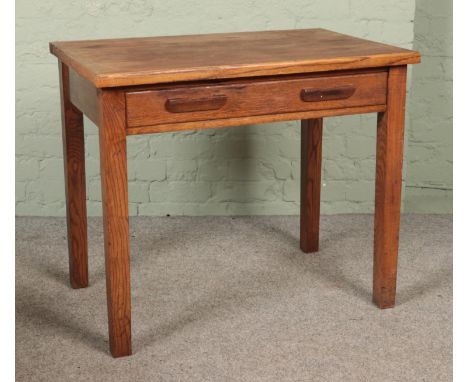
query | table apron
[253, 101]
[163, 128]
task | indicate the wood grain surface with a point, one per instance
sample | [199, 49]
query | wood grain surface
[149, 60]
[161, 84]
[217, 123]
[250, 98]
[311, 171]
[390, 132]
[84, 95]
[113, 152]
[75, 183]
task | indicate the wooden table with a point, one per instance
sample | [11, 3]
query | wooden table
[159, 84]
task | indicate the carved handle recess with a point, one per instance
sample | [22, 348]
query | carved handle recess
[317, 95]
[183, 105]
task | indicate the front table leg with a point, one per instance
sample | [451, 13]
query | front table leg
[113, 151]
[390, 131]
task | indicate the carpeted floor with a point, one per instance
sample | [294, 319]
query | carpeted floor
[234, 299]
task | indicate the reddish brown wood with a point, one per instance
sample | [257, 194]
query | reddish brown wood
[113, 150]
[140, 61]
[251, 98]
[311, 169]
[217, 123]
[328, 94]
[390, 131]
[139, 86]
[75, 183]
[84, 95]
[184, 105]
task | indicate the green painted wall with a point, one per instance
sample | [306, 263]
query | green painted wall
[244, 170]
[430, 135]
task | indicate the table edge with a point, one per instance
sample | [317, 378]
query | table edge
[152, 77]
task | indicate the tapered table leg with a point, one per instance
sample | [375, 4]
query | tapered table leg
[75, 184]
[390, 132]
[113, 152]
[311, 167]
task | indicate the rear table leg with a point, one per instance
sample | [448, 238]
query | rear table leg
[75, 184]
[311, 167]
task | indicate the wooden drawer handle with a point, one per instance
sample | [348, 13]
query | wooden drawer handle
[316, 95]
[183, 105]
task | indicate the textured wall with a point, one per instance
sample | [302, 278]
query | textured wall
[246, 170]
[430, 135]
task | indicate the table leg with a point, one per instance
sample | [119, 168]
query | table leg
[311, 167]
[113, 152]
[75, 184]
[390, 132]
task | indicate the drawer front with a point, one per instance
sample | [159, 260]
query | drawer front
[255, 97]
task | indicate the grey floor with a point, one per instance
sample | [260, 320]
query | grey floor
[234, 299]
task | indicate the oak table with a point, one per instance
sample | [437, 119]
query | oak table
[159, 84]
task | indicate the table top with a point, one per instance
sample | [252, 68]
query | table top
[150, 60]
